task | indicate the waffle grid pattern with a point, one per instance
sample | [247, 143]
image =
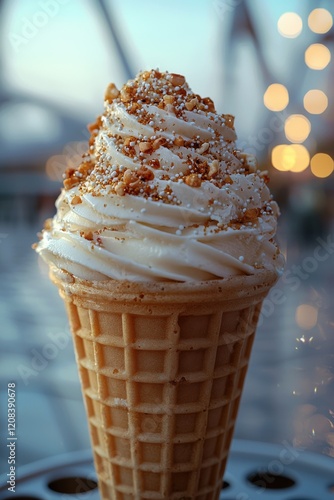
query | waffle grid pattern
[153, 387]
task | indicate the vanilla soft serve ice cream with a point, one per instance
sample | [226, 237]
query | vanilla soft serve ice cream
[162, 193]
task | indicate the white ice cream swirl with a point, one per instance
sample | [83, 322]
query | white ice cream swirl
[162, 193]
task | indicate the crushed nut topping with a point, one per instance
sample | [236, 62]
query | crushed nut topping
[88, 235]
[145, 147]
[205, 146]
[193, 180]
[120, 188]
[111, 92]
[177, 80]
[251, 214]
[76, 200]
[179, 141]
[130, 177]
[71, 182]
[229, 121]
[125, 160]
[190, 105]
[213, 168]
[168, 99]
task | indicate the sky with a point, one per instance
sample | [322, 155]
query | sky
[60, 50]
[72, 57]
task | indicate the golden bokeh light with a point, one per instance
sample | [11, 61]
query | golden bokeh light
[278, 159]
[290, 25]
[301, 157]
[320, 21]
[297, 128]
[306, 316]
[276, 97]
[317, 56]
[290, 157]
[322, 165]
[315, 101]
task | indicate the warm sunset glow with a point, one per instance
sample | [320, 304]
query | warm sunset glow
[297, 128]
[322, 165]
[315, 101]
[317, 56]
[290, 25]
[320, 21]
[306, 316]
[276, 97]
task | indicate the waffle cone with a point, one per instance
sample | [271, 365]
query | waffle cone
[162, 367]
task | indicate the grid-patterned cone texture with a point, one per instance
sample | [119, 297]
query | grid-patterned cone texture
[162, 384]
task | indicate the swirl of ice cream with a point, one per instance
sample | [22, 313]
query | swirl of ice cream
[162, 193]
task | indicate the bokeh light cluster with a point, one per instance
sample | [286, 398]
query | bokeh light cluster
[296, 156]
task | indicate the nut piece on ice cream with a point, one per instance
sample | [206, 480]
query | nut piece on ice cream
[164, 191]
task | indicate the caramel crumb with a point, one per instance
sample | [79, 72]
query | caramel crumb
[76, 200]
[264, 175]
[154, 163]
[145, 174]
[203, 148]
[125, 95]
[179, 141]
[213, 168]
[70, 183]
[176, 79]
[251, 214]
[190, 105]
[130, 177]
[193, 180]
[48, 224]
[111, 92]
[85, 168]
[128, 140]
[250, 162]
[168, 99]
[229, 121]
[120, 188]
[161, 141]
[209, 104]
[145, 147]
[88, 235]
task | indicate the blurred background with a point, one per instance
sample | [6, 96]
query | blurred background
[268, 63]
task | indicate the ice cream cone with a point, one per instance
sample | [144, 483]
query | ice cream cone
[162, 367]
